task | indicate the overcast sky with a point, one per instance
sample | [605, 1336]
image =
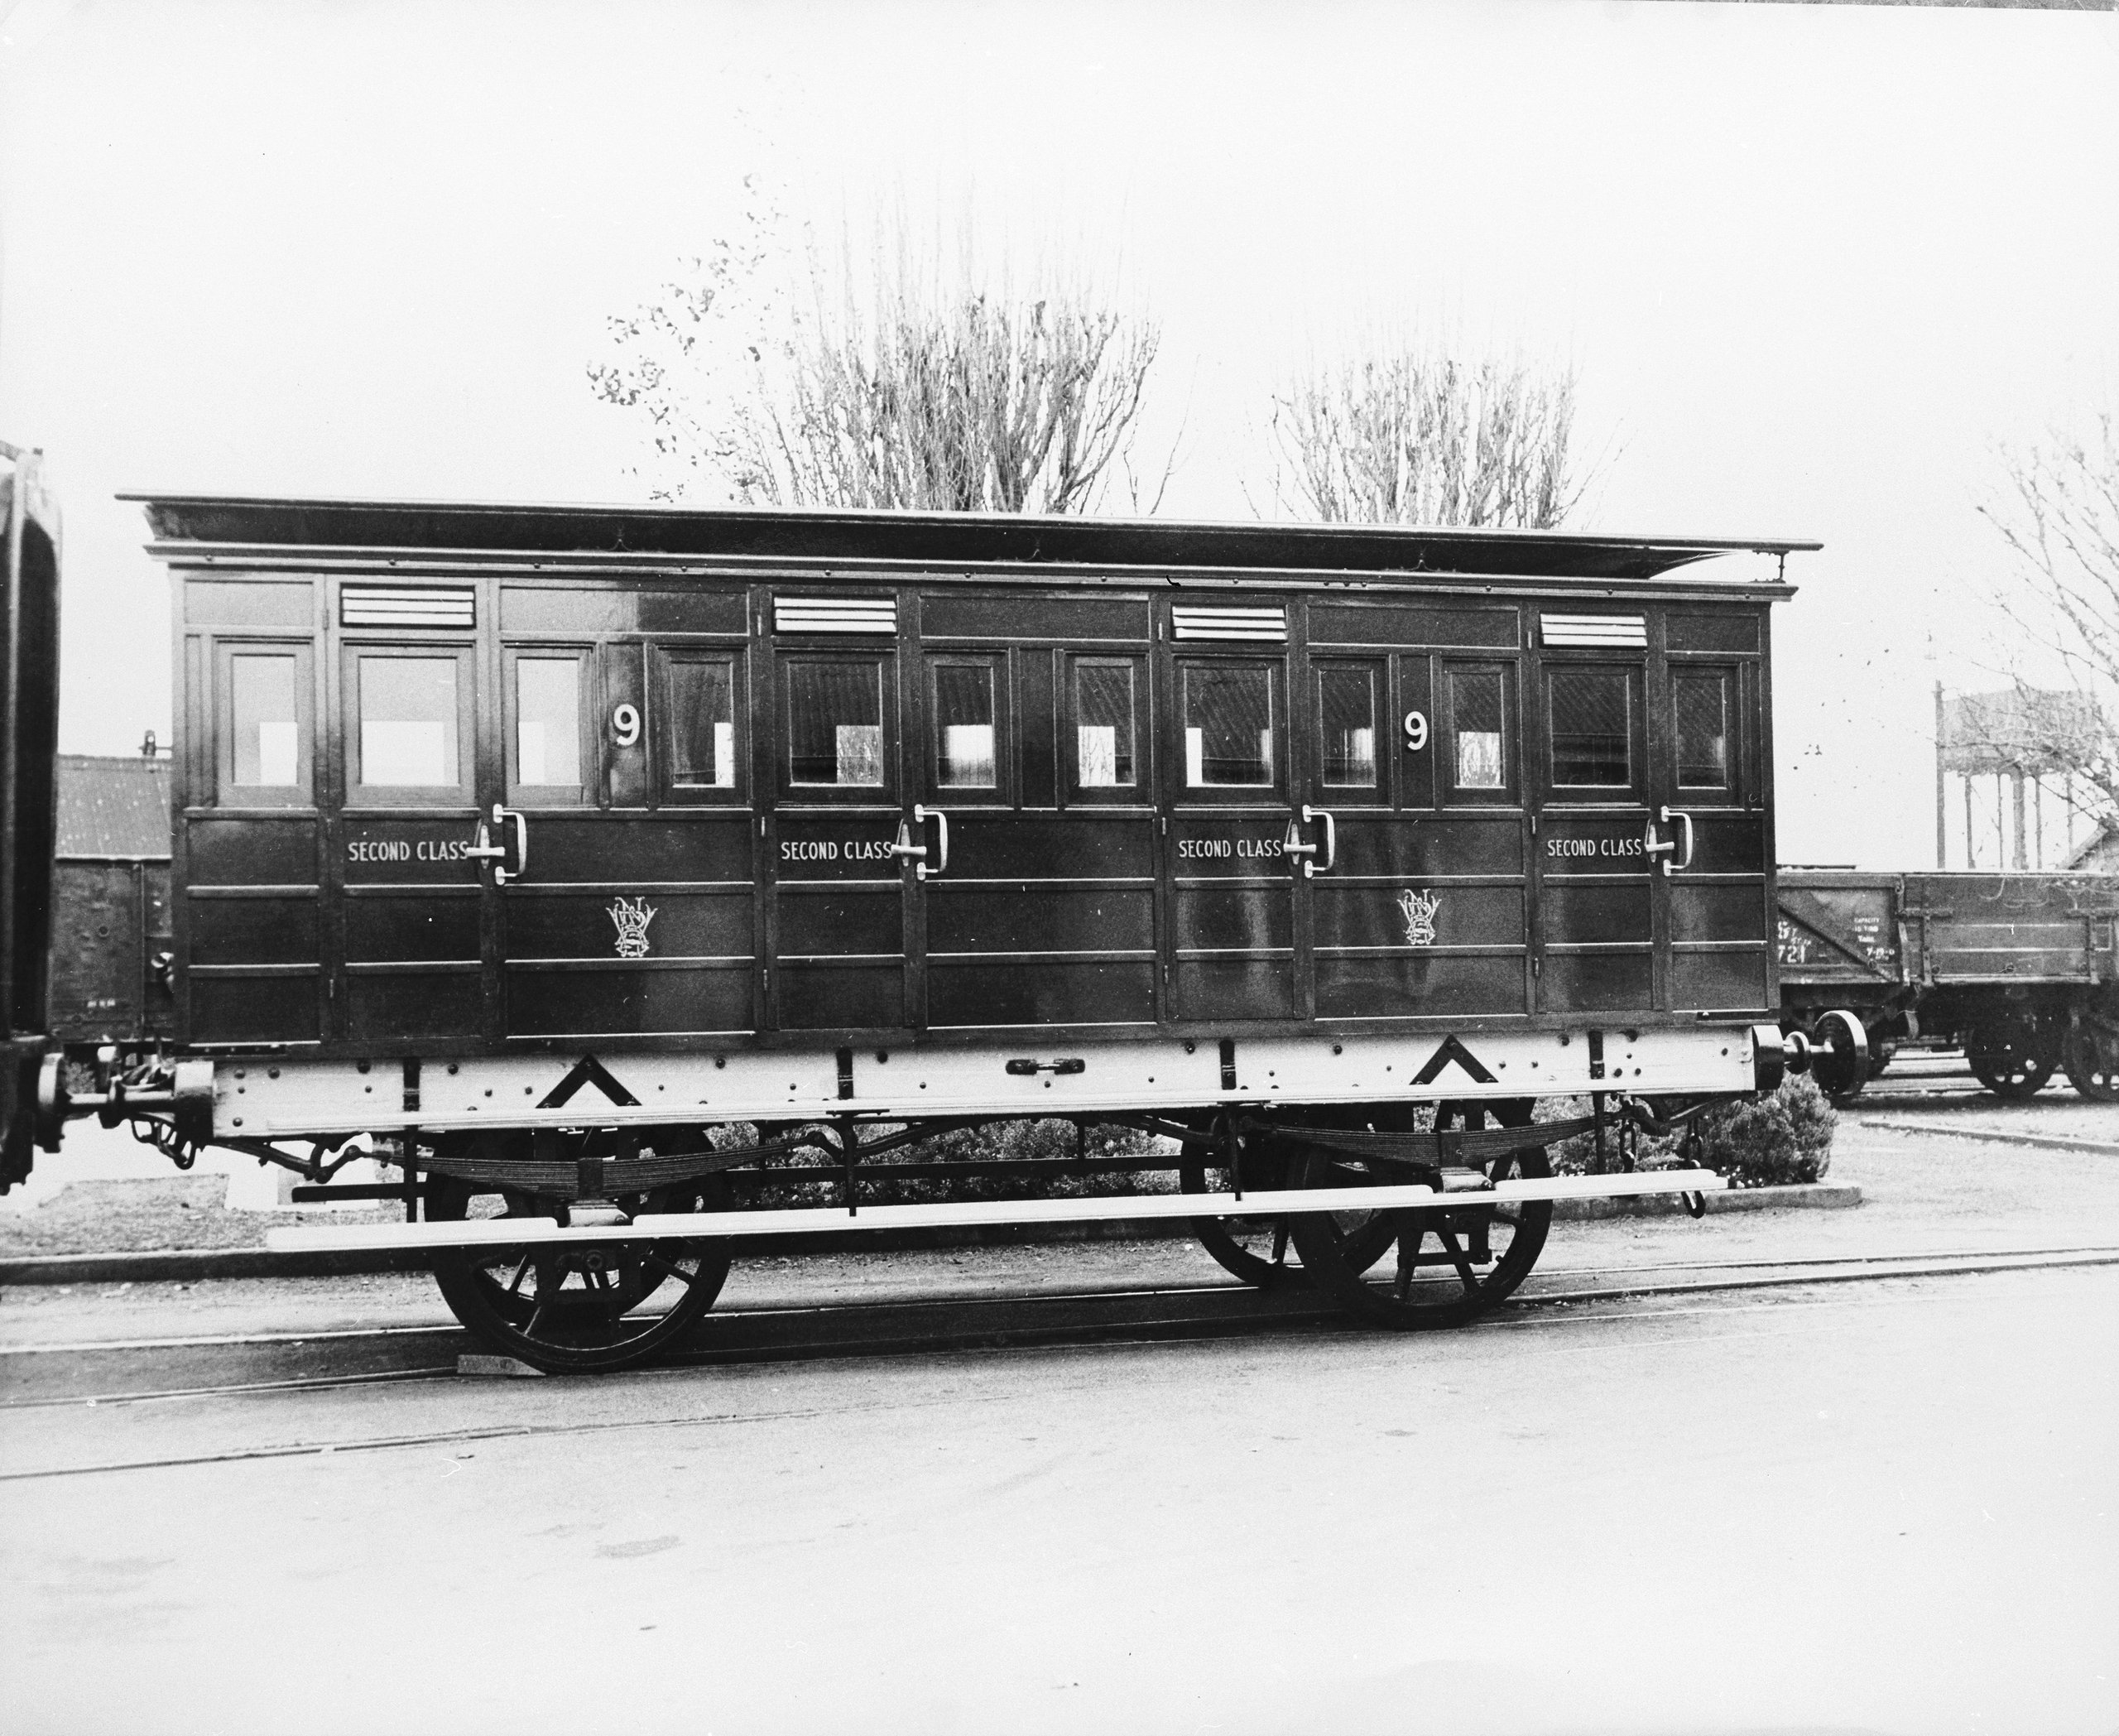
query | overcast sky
[1814, 263]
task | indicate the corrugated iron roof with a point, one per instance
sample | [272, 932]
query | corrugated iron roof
[113, 807]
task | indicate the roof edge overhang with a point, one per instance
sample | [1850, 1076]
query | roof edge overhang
[369, 530]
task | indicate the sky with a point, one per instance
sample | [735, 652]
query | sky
[1818, 266]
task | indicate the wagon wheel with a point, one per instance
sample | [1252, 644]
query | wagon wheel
[2091, 1056]
[1256, 1249]
[586, 1308]
[1839, 1059]
[1480, 1253]
[2012, 1069]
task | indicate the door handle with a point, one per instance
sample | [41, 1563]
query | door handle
[1310, 869]
[905, 847]
[1680, 818]
[1656, 846]
[501, 817]
[941, 841]
[485, 849]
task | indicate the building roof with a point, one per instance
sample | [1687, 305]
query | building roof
[247, 526]
[113, 808]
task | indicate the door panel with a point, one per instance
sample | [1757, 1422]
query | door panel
[1719, 919]
[840, 915]
[1235, 908]
[622, 919]
[1600, 905]
[413, 936]
[1419, 911]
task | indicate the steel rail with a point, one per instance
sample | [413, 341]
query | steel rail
[1298, 1308]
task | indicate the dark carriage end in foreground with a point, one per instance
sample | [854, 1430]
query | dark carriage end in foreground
[602, 867]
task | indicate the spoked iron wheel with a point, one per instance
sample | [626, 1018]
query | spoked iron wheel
[1256, 1249]
[584, 1308]
[1453, 1263]
[2091, 1056]
[2012, 1071]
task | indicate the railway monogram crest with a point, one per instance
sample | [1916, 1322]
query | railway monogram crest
[632, 920]
[1419, 909]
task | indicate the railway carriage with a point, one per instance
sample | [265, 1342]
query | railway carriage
[588, 860]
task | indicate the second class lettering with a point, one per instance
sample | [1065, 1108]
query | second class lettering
[1599, 847]
[1242, 849]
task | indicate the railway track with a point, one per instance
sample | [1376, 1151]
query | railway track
[870, 1328]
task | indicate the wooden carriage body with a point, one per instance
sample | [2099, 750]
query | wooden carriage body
[853, 808]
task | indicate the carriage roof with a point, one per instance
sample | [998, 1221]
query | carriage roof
[220, 527]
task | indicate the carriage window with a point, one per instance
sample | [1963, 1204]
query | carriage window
[963, 726]
[1347, 698]
[1477, 715]
[1593, 728]
[1228, 728]
[702, 709]
[265, 722]
[1103, 725]
[548, 721]
[1703, 707]
[835, 724]
[408, 722]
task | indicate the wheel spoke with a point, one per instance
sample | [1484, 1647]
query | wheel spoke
[1448, 1238]
[655, 1262]
[522, 1272]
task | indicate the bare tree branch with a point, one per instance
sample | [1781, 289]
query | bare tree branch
[2057, 516]
[887, 384]
[1416, 435]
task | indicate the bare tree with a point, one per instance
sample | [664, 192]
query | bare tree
[1416, 435]
[888, 384]
[2058, 516]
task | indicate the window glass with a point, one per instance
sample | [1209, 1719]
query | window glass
[703, 725]
[1593, 728]
[1347, 698]
[1476, 723]
[964, 727]
[1228, 728]
[1103, 725]
[266, 721]
[1703, 731]
[835, 724]
[548, 721]
[408, 722]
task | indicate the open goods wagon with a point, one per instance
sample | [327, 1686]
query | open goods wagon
[603, 866]
[2019, 969]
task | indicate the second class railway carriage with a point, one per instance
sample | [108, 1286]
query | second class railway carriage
[587, 857]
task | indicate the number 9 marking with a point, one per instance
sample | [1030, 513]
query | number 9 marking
[1416, 731]
[625, 725]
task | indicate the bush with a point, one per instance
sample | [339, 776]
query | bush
[1772, 1141]
[1766, 1141]
[996, 1141]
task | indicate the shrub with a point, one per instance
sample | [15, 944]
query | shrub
[1772, 1141]
[1763, 1141]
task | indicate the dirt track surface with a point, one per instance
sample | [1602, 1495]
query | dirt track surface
[1878, 1505]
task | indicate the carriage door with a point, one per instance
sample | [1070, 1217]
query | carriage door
[1235, 843]
[1599, 841]
[841, 837]
[1720, 901]
[1035, 905]
[1652, 843]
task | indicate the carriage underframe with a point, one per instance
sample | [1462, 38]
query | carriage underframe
[589, 1230]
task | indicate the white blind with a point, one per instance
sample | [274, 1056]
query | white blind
[835, 614]
[427, 605]
[1193, 621]
[1614, 630]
